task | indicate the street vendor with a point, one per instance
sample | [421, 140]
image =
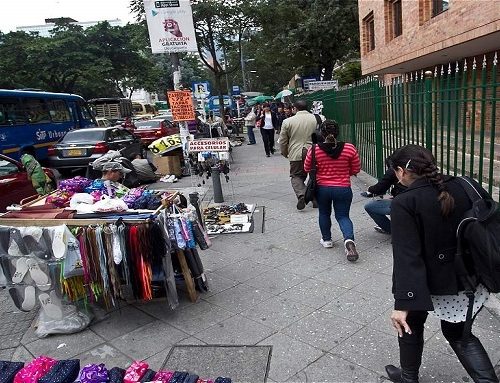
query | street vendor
[41, 182]
[114, 172]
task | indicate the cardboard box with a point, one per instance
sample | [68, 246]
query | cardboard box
[168, 165]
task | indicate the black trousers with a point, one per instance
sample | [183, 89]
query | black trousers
[411, 345]
[268, 138]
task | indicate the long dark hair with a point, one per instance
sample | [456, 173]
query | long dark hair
[420, 162]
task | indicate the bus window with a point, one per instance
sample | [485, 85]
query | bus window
[86, 114]
[58, 111]
[37, 111]
[11, 112]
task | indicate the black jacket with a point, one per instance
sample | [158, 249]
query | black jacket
[388, 179]
[424, 244]
[274, 120]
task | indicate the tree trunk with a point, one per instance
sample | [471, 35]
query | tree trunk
[328, 72]
[218, 82]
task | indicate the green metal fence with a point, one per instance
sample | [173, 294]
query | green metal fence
[451, 111]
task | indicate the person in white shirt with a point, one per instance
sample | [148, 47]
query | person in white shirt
[250, 125]
[268, 123]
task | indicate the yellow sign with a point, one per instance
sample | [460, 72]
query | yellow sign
[181, 103]
[165, 144]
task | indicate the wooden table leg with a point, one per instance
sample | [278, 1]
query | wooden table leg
[188, 279]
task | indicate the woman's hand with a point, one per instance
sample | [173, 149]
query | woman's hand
[398, 319]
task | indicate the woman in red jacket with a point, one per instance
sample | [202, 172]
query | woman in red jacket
[336, 162]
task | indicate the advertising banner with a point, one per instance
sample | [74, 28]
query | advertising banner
[170, 25]
[323, 85]
[209, 145]
[165, 144]
[181, 103]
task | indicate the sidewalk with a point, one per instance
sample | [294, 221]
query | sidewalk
[327, 319]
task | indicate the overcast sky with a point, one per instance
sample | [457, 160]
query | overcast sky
[15, 13]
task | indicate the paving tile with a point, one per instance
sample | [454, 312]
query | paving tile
[276, 281]
[322, 330]
[195, 318]
[379, 285]
[313, 293]
[289, 356]
[330, 368]
[156, 361]
[278, 312]
[358, 307]
[310, 265]
[6, 354]
[239, 298]
[302, 245]
[106, 354]
[65, 346]
[215, 260]
[346, 276]
[21, 354]
[218, 283]
[274, 256]
[369, 348]
[121, 322]
[487, 320]
[148, 340]
[438, 367]
[235, 330]
[242, 270]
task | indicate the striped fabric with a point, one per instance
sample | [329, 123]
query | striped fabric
[335, 172]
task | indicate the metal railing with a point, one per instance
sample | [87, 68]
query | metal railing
[451, 111]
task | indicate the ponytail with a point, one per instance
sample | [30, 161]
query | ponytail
[445, 198]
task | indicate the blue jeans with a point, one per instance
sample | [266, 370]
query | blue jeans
[251, 135]
[340, 198]
[379, 209]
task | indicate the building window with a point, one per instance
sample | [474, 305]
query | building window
[439, 6]
[369, 33]
[393, 19]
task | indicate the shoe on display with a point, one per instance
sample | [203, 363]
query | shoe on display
[378, 229]
[326, 244]
[301, 204]
[350, 250]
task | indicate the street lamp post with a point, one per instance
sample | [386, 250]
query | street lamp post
[243, 76]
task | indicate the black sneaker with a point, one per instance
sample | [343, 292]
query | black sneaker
[378, 229]
[301, 204]
[350, 250]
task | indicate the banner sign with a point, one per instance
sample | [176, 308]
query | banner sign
[170, 26]
[181, 103]
[165, 144]
[201, 89]
[209, 145]
[323, 85]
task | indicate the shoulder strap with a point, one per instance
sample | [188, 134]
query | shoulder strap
[313, 157]
[469, 188]
[319, 121]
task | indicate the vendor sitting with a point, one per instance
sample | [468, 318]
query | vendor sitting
[114, 172]
[145, 170]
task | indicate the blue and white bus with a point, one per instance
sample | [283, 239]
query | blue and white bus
[37, 120]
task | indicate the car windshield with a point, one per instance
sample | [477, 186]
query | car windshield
[84, 136]
[148, 124]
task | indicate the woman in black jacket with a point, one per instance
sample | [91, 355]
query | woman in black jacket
[424, 220]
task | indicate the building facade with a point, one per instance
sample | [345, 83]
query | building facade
[401, 36]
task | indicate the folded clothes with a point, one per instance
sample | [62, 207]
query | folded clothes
[8, 370]
[37, 368]
[135, 372]
[64, 371]
[116, 375]
[94, 373]
[148, 375]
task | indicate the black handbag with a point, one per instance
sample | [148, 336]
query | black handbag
[310, 193]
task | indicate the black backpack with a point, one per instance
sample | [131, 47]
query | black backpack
[478, 242]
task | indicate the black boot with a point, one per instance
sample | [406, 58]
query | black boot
[395, 374]
[475, 360]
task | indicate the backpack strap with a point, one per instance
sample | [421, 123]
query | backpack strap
[469, 188]
[313, 158]
[319, 121]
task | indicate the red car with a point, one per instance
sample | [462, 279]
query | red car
[150, 130]
[14, 182]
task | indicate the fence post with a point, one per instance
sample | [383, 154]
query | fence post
[379, 152]
[352, 115]
[428, 109]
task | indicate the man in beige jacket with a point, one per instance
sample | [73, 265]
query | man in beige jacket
[296, 134]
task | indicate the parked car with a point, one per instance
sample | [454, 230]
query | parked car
[153, 129]
[80, 147]
[14, 182]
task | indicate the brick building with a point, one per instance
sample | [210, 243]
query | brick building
[401, 36]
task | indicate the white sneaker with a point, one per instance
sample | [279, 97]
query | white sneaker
[326, 244]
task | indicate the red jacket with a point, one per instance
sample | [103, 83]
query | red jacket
[334, 172]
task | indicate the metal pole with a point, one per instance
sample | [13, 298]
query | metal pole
[218, 197]
[428, 110]
[243, 70]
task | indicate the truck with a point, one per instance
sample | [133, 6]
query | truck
[114, 109]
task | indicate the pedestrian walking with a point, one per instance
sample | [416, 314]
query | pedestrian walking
[268, 123]
[250, 125]
[296, 134]
[336, 162]
[379, 208]
[424, 219]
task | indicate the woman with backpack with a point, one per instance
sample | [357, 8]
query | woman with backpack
[424, 221]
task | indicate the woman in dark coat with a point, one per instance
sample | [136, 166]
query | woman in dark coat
[424, 220]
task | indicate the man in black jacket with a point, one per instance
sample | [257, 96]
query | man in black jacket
[378, 209]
